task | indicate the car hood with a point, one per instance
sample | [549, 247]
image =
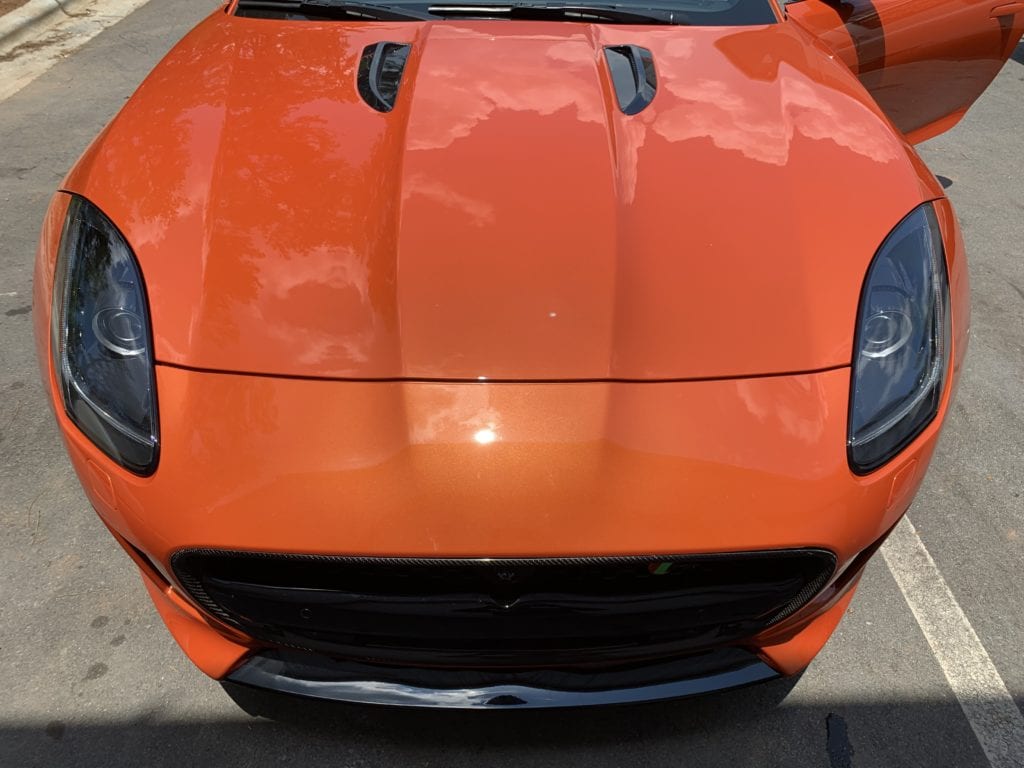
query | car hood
[506, 220]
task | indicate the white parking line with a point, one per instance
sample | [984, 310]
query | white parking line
[55, 39]
[991, 711]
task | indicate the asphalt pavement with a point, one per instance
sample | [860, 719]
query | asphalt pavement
[89, 676]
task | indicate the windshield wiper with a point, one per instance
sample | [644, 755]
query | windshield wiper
[582, 12]
[332, 9]
[420, 11]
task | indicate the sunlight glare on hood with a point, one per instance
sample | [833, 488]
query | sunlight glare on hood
[485, 436]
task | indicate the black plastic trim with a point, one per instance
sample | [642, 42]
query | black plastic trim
[271, 672]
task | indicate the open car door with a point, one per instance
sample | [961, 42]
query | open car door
[924, 61]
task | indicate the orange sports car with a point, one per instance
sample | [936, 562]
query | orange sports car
[515, 354]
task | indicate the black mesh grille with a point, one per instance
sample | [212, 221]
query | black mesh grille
[503, 613]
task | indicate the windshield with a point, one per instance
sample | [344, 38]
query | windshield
[675, 12]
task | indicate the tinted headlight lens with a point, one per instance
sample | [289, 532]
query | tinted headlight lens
[101, 339]
[902, 342]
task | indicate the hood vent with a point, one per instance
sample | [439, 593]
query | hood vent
[380, 74]
[633, 76]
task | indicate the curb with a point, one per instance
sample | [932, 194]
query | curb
[22, 22]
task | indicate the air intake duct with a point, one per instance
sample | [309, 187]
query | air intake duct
[633, 76]
[380, 74]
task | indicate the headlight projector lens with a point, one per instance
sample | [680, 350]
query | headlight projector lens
[120, 330]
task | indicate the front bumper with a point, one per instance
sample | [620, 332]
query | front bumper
[400, 470]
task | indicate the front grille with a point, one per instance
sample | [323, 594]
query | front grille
[481, 614]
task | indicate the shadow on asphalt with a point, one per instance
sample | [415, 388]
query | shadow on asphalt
[1018, 54]
[754, 726]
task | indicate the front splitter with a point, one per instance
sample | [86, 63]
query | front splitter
[274, 673]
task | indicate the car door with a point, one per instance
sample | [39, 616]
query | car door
[924, 61]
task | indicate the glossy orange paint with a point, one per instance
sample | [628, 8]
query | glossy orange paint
[924, 61]
[489, 229]
[667, 302]
[514, 469]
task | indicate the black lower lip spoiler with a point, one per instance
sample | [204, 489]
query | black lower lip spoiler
[267, 673]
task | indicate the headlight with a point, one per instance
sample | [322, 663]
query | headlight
[102, 346]
[902, 342]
